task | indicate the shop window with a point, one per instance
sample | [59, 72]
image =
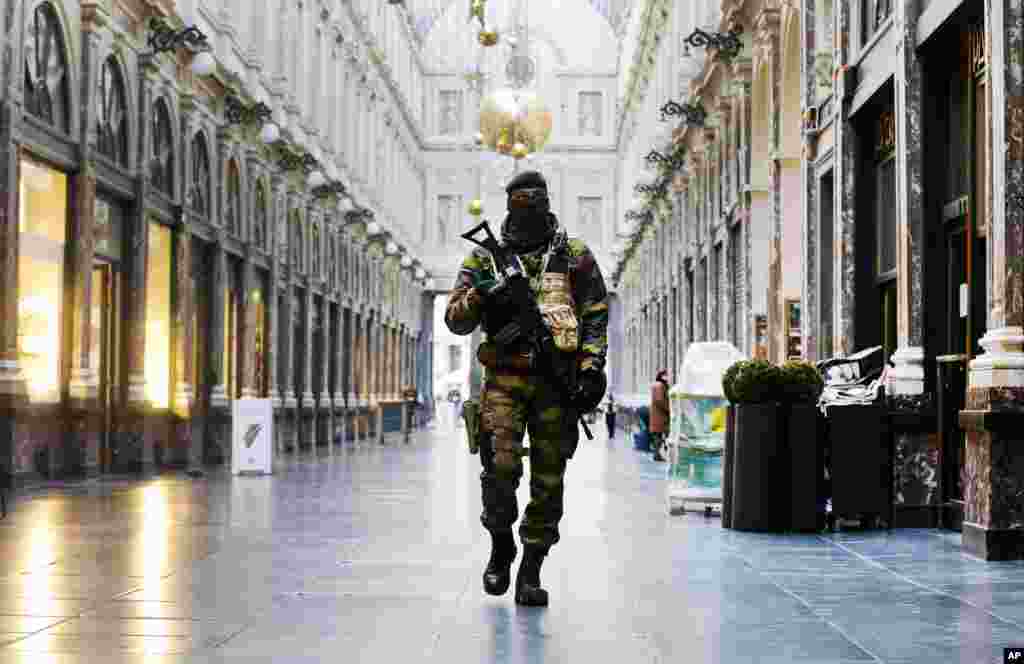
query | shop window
[260, 217]
[260, 343]
[42, 234]
[158, 316]
[199, 191]
[112, 115]
[233, 209]
[232, 325]
[735, 282]
[715, 306]
[162, 167]
[874, 13]
[47, 96]
[108, 224]
[691, 329]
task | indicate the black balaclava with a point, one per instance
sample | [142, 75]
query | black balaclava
[529, 224]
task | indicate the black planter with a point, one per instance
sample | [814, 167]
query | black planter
[757, 503]
[803, 441]
[728, 452]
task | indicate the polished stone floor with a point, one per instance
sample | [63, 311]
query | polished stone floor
[373, 554]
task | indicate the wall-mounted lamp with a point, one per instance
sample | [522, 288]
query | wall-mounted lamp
[692, 114]
[391, 249]
[163, 38]
[291, 161]
[328, 188]
[373, 228]
[672, 161]
[406, 261]
[421, 273]
[658, 187]
[259, 113]
[727, 44]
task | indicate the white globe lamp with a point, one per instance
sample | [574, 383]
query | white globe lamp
[203, 64]
[270, 132]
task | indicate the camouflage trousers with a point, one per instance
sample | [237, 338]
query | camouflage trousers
[512, 404]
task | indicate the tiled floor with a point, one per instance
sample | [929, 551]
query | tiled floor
[374, 554]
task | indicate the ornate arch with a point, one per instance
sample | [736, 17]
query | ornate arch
[162, 166]
[47, 82]
[112, 114]
[200, 189]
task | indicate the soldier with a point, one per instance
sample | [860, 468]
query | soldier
[571, 296]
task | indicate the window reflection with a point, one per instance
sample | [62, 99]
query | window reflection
[158, 316]
[42, 225]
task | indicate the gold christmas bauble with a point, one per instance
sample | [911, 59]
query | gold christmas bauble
[487, 37]
[476, 207]
[519, 151]
[509, 117]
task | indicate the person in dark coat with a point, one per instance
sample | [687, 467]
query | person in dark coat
[609, 416]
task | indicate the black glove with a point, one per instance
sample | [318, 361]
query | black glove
[590, 387]
[493, 291]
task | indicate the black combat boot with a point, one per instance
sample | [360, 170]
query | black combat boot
[498, 575]
[528, 590]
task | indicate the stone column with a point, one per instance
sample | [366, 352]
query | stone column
[249, 313]
[340, 358]
[82, 437]
[326, 404]
[186, 451]
[994, 418]
[845, 171]
[219, 442]
[906, 378]
[308, 403]
[13, 388]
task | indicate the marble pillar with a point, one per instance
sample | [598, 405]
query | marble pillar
[993, 526]
[906, 378]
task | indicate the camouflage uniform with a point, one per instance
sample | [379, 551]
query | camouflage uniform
[515, 400]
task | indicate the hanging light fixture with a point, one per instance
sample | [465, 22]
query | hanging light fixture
[391, 249]
[406, 261]
[372, 228]
[421, 273]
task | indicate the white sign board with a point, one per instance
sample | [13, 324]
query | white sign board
[252, 437]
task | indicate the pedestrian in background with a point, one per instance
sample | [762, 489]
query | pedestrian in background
[609, 416]
[659, 414]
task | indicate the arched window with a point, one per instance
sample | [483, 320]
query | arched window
[199, 191]
[233, 209]
[47, 94]
[111, 115]
[162, 166]
[260, 217]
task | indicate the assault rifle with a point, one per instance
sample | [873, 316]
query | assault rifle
[531, 322]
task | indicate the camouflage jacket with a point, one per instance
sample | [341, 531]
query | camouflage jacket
[465, 311]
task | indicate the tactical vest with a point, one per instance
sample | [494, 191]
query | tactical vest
[553, 289]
